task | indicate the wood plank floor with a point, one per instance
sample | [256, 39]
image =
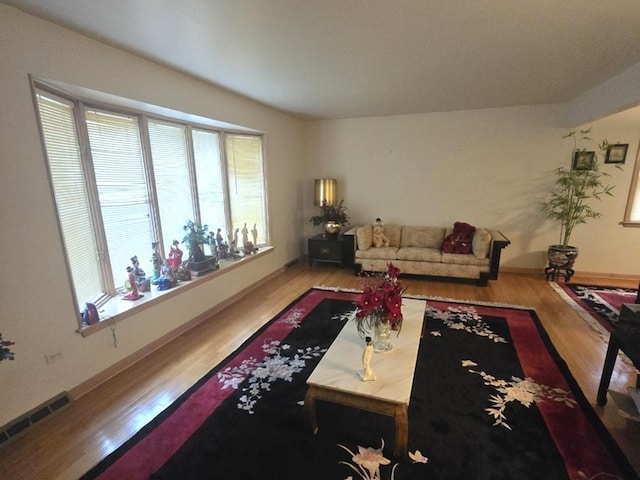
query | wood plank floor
[67, 444]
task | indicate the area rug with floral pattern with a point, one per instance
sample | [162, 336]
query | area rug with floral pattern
[491, 399]
[599, 306]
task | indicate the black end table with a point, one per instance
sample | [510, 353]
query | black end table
[337, 250]
[626, 337]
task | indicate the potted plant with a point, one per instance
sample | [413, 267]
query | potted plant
[332, 217]
[196, 235]
[570, 203]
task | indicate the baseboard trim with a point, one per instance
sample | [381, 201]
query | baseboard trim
[95, 381]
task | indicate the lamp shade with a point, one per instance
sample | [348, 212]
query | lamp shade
[324, 191]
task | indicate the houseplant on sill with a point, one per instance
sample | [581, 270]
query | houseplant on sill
[569, 204]
[196, 235]
[332, 218]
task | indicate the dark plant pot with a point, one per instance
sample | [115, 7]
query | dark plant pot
[562, 257]
[202, 267]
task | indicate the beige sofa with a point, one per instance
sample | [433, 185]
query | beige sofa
[418, 251]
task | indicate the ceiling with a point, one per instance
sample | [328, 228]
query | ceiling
[355, 58]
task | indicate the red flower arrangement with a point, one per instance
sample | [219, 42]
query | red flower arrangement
[381, 300]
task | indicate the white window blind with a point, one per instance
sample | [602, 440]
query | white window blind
[246, 185]
[69, 187]
[136, 179]
[122, 189]
[206, 149]
[170, 157]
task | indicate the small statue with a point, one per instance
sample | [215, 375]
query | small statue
[183, 273]
[249, 248]
[175, 256]
[156, 260]
[254, 234]
[245, 234]
[366, 374]
[233, 245]
[141, 279]
[134, 294]
[219, 239]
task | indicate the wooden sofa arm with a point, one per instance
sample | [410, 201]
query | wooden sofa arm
[498, 242]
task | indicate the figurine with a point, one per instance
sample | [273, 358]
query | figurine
[254, 234]
[233, 247]
[141, 279]
[156, 260]
[183, 273]
[245, 234]
[175, 256]
[168, 279]
[219, 239]
[134, 294]
[367, 375]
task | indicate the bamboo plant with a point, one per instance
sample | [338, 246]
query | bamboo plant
[576, 187]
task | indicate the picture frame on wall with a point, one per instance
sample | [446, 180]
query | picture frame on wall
[616, 153]
[583, 160]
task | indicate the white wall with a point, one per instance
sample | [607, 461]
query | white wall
[487, 167]
[36, 308]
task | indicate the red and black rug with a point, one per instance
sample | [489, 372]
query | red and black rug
[491, 399]
[598, 306]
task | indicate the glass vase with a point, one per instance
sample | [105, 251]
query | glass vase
[381, 334]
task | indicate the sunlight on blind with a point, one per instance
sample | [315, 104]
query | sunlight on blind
[206, 149]
[170, 157]
[246, 187]
[67, 178]
[122, 189]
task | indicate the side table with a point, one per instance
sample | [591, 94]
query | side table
[331, 250]
[626, 337]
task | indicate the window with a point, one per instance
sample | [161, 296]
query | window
[124, 179]
[632, 213]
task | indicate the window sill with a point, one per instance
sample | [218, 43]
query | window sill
[118, 309]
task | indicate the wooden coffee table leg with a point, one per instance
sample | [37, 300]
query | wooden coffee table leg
[402, 430]
[309, 410]
[607, 370]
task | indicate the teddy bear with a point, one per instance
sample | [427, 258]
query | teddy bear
[379, 238]
[459, 241]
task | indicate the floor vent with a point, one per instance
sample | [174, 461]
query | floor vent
[19, 425]
[292, 263]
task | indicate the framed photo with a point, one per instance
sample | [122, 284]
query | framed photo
[583, 160]
[616, 153]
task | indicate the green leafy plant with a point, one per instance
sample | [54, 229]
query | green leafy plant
[331, 213]
[196, 235]
[569, 203]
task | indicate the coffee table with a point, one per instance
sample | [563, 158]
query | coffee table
[335, 379]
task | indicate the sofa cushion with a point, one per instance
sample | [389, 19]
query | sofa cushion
[463, 259]
[364, 237]
[382, 253]
[420, 254]
[481, 243]
[429, 237]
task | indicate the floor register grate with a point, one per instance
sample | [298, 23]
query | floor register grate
[29, 419]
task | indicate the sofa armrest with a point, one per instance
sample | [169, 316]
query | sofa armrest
[498, 242]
